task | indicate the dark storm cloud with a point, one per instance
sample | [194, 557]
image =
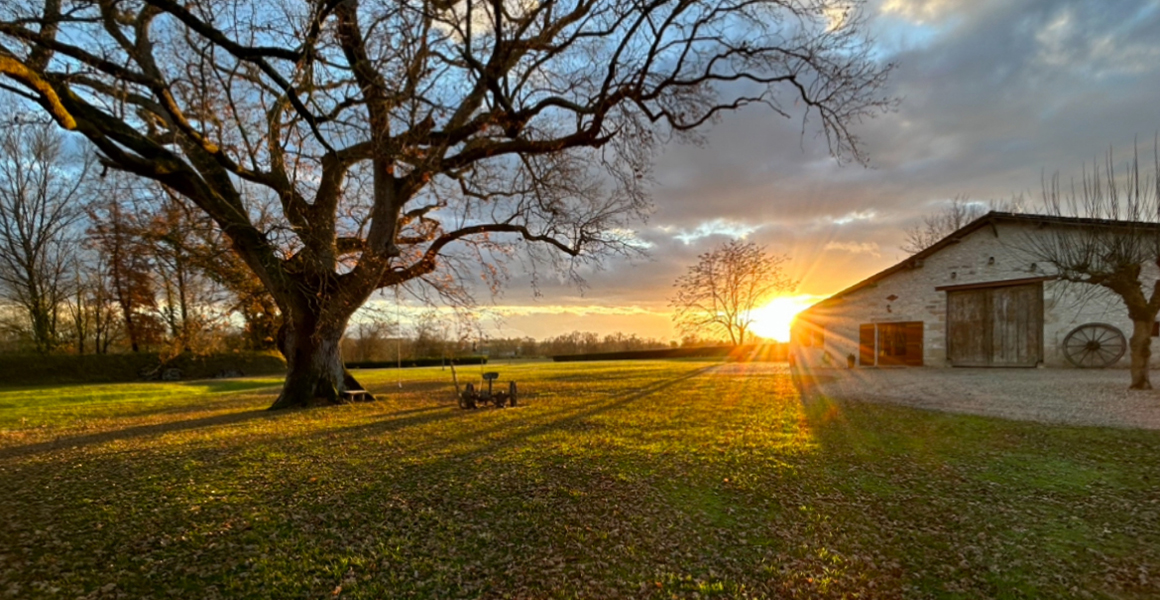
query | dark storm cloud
[993, 94]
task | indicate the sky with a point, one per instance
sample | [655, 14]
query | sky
[994, 94]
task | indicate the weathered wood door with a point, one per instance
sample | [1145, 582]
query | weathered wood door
[968, 341]
[1016, 326]
[996, 326]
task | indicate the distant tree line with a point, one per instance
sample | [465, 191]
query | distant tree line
[369, 341]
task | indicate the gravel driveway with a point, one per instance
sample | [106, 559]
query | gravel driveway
[1067, 396]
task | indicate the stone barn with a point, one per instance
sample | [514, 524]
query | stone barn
[973, 299]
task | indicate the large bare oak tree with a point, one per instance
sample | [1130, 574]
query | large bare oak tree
[394, 132]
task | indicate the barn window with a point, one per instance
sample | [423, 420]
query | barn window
[890, 344]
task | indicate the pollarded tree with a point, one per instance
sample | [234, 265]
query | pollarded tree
[1115, 244]
[719, 294]
[394, 133]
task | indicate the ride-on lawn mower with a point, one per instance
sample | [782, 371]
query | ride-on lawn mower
[469, 398]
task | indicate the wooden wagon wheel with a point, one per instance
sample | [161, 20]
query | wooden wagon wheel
[1094, 345]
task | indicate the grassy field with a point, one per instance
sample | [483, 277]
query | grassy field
[644, 480]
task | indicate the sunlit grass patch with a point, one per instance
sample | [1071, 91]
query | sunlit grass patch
[654, 479]
[56, 406]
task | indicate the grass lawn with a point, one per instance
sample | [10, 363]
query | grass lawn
[651, 480]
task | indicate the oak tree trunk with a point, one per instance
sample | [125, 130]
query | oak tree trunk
[1141, 348]
[315, 373]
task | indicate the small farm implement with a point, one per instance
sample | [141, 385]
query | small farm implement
[470, 398]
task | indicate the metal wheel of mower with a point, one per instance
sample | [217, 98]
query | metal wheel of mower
[511, 393]
[1094, 346]
[468, 398]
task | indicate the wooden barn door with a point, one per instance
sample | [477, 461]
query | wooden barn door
[1016, 326]
[996, 326]
[969, 343]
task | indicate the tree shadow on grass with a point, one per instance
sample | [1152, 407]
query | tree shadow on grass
[136, 401]
[135, 432]
[399, 420]
[560, 419]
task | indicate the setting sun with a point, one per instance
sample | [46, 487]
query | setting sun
[773, 320]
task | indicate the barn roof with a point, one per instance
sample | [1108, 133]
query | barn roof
[986, 220]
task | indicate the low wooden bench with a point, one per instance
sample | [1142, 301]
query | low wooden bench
[354, 395]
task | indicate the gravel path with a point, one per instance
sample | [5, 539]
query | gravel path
[1063, 396]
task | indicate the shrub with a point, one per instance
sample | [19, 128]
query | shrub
[36, 369]
[417, 362]
[747, 353]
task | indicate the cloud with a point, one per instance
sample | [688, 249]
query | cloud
[1065, 44]
[870, 248]
[558, 309]
[922, 11]
[857, 215]
[716, 227]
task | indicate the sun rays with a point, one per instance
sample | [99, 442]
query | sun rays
[773, 320]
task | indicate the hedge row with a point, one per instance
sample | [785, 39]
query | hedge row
[417, 362]
[747, 353]
[24, 369]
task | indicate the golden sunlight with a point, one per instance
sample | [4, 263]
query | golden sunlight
[773, 320]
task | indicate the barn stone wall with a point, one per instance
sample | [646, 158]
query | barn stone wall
[985, 255]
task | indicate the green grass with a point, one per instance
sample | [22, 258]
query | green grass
[654, 479]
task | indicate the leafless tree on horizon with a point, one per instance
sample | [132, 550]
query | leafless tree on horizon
[940, 224]
[720, 293]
